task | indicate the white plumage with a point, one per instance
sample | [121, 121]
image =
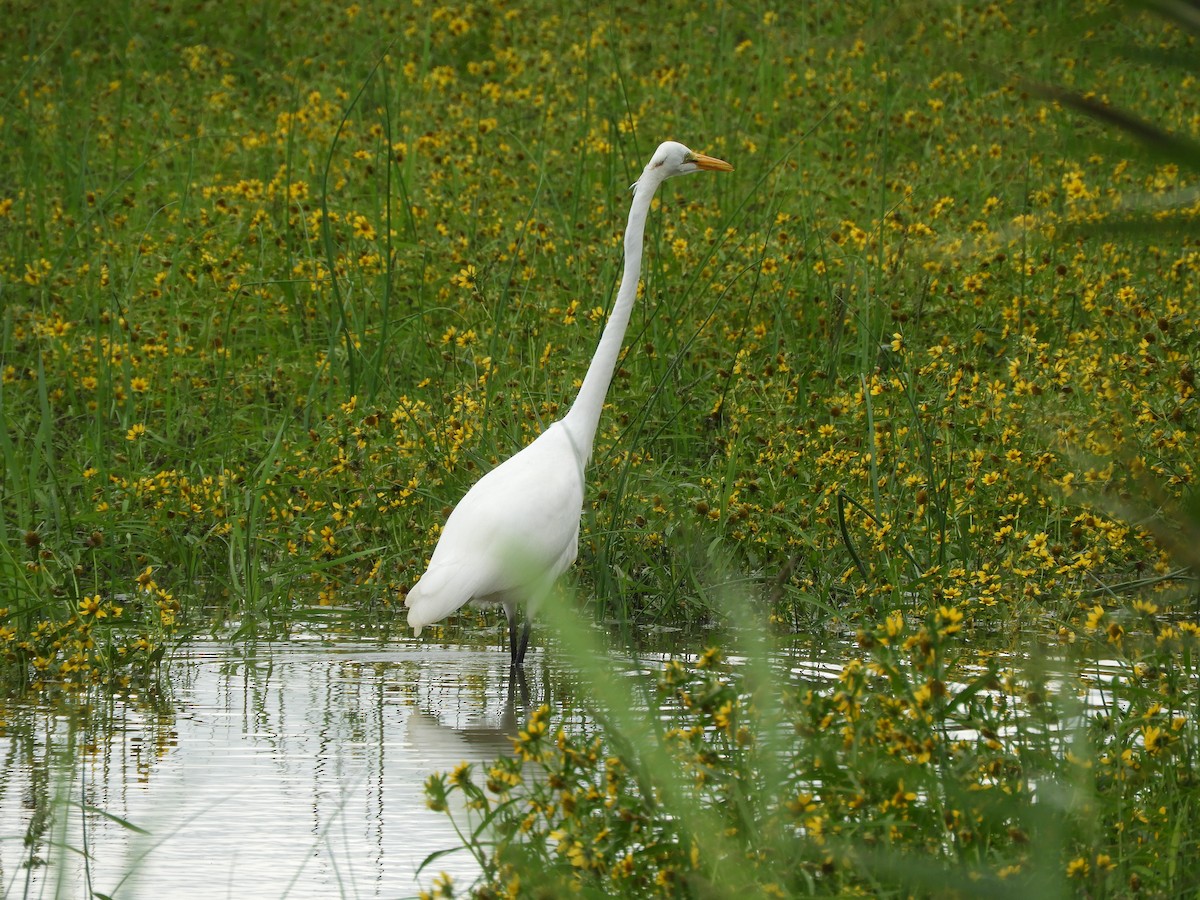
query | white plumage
[517, 529]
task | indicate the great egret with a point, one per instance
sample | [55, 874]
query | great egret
[517, 528]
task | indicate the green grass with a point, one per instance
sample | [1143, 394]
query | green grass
[279, 286]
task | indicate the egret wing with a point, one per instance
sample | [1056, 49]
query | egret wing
[518, 524]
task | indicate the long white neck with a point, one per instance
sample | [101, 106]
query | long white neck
[584, 415]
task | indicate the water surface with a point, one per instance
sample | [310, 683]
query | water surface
[295, 770]
[285, 771]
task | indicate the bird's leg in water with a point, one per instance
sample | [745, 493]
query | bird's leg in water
[512, 635]
[517, 619]
[524, 642]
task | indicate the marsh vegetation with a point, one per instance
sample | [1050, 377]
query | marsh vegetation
[913, 381]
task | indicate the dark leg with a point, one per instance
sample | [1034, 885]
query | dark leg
[520, 657]
[517, 645]
[512, 638]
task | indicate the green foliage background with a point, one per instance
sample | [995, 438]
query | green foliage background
[279, 283]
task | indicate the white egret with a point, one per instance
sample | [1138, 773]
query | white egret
[517, 528]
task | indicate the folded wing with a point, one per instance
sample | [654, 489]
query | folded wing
[516, 528]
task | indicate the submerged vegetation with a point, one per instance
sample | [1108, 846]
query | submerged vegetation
[279, 286]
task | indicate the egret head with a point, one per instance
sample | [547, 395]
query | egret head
[672, 158]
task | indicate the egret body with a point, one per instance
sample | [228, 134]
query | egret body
[517, 529]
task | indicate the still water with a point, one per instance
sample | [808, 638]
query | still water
[282, 771]
[298, 770]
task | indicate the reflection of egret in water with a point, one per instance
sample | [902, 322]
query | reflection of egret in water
[478, 742]
[297, 769]
[481, 739]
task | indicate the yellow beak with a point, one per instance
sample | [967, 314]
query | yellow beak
[710, 163]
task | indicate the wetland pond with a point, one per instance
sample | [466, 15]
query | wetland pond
[282, 770]
[275, 770]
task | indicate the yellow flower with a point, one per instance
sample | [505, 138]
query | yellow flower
[90, 606]
[802, 803]
[363, 228]
[146, 580]
[894, 625]
[135, 432]
[710, 658]
[950, 619]
[722, 716]
[1154, 739]
[465, 278]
